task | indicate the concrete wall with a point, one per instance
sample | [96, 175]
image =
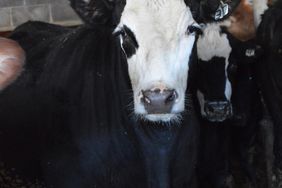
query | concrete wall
[15, 12]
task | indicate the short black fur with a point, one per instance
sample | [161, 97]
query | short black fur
[71, 124]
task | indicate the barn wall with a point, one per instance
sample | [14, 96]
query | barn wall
[15, 12]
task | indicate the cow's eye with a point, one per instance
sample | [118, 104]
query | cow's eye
[129, 35]
[119, 33]
[194, 29]
[129, 43]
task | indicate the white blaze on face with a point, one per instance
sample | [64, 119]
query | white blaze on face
[211, 44]
[164, 48]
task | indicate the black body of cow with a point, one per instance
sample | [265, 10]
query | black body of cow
[269, 69]
[247, 106]
[221, 142]
[68, 117]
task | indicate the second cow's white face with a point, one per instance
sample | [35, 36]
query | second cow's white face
[155, 37]
[213, 78]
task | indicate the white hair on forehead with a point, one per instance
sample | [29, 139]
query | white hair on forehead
[166, 20]
[213, 43]
[156, 4]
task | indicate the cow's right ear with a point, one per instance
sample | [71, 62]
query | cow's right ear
[12, 58]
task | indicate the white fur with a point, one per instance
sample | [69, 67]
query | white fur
[228, 88]
[164, 49]
[259, 7]
[214, 44]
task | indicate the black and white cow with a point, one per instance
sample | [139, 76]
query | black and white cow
[90, 108]
[269, 36]
[229, 104]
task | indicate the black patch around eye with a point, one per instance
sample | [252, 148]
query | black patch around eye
[193, 29]
[129, 42]
[211, 78]
[128, 47]
[232, 70]
[119, 33]
[131, 35]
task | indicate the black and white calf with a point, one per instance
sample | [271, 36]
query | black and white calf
[229, 104]
[74, 108]
[213, 83]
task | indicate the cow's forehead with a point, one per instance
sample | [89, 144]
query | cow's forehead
[160, 10]
[213, 43]
[157, 17]
[153, 4]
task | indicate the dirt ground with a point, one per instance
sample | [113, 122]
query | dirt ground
[9, 180]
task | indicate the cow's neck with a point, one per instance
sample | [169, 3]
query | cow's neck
[259, 7]
[156, 143]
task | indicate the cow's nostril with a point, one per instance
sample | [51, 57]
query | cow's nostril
[146, 100]
[210, 108]
[159, 101]
[171, 97]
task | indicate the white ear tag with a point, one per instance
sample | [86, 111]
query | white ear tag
[250, 52]
[222, 11]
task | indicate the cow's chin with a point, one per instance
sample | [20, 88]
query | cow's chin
[163, 118]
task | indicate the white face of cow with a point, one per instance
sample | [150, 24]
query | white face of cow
[155, 37]
[214, 87]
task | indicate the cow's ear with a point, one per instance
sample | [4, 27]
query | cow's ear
[92, 12]
[211, 10]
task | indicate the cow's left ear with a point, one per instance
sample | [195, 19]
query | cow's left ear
[12, 58]
[211, 10]
[92, 12]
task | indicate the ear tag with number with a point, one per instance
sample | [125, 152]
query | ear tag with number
[222, 11]
[250, 52]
